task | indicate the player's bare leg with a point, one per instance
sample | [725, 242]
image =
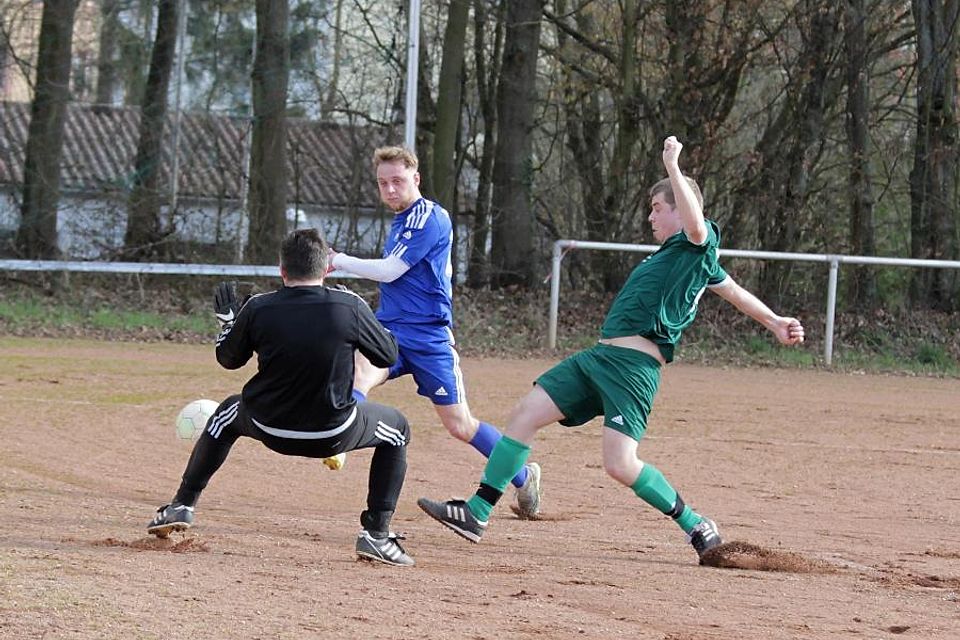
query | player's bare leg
[622, 464]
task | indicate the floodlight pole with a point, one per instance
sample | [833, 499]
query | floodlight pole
[181, 54]
[413, 56]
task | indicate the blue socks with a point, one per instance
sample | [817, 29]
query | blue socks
[485, 440]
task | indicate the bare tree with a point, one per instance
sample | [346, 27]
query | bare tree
[449, 104]
[268, 166]
[106, 63]
[933, 179]
[37, 235]
[778, 181]
[333, 84]
[630, 74]
[145, 229]
[512, 257]
[862, 283]
[487, 72]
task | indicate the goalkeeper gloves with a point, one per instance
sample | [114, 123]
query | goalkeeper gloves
[225, 304]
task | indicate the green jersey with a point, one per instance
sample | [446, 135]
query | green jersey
[659, 299]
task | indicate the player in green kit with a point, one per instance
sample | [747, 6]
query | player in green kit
[618, 377]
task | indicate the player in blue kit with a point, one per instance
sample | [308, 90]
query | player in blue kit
[416, 305]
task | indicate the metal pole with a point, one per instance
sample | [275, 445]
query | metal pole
[831, 310]
[554, 294]
[244, 222]
[175, 168]
[413, 56]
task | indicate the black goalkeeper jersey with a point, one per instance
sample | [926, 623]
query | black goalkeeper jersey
[304, 338]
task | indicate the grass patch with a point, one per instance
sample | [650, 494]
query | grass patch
[36, 313]
[505, 323]
[112, 319]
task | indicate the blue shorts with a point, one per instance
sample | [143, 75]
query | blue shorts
[427, 353]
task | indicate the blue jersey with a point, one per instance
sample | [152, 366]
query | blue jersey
[422, 237]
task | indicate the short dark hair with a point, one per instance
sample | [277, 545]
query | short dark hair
[666, 188]
[303, 255]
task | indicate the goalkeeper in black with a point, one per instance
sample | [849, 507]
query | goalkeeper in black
[299, 403]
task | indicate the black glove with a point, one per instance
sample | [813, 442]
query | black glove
[225, 303]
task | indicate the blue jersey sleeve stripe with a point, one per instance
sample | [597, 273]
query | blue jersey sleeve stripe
[399, 250]
[418, 216]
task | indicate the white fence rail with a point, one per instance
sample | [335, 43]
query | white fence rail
[151, 267]
[560, 248]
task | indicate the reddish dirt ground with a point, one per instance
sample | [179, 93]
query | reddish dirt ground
[838, 491]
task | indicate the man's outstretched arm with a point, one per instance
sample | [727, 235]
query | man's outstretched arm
[380, 269]
[788, 330]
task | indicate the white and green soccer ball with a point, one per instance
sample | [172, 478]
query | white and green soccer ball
[192, 419]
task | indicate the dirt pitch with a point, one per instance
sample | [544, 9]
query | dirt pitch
[839, 491]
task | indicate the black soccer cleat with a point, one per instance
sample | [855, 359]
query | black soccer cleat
[704, 536]
[386, 549]
[170, 518]
[456, 515]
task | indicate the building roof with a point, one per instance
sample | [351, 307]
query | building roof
[328, 164]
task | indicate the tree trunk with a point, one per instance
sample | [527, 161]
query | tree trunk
[426, 118]
[268, 166]
[512, 256]
[106, 62]
[582, 114]
[933, 218]
[333, 86]
[145, 230]
[862, 284]
[449, 103]
[137, 52]
[487, 78]
[37, 235]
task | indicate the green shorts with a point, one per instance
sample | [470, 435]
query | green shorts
[617, 382]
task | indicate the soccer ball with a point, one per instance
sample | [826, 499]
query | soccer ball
[192, 419]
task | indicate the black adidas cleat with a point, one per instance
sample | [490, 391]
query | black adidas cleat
[704, 536]
[386, 550]
[456, 515]
[170, 518]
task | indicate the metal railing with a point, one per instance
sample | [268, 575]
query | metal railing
[561, 247]
[152, 267]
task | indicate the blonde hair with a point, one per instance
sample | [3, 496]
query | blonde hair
[394, 154]
[666, 189]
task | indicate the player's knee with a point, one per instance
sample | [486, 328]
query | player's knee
[460, 430]
[365, 380]
[622, 470]
[461, 426]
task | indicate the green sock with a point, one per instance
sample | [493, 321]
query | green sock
[506, 459]
[688, 519]
[651, 487]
